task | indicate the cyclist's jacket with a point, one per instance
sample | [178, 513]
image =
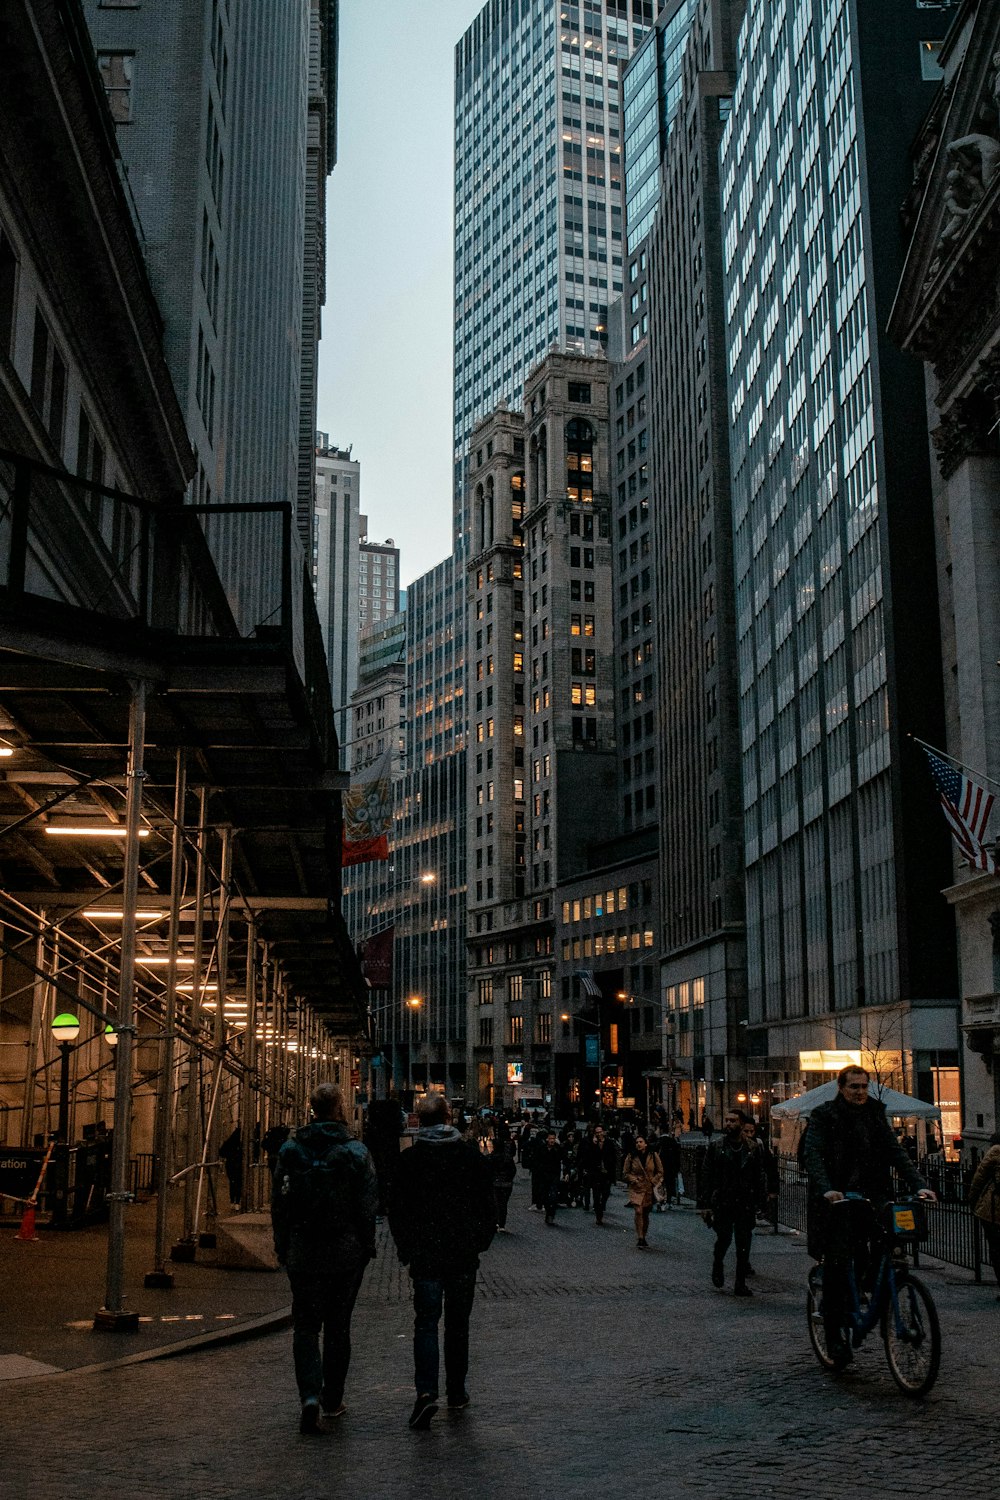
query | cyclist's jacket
[851, 1148]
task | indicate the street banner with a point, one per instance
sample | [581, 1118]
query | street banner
[376, 959]
[368, 815]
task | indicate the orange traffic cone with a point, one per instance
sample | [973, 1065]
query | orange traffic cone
[27, 1229]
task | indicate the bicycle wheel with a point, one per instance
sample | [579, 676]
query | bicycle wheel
[913, 1349]
[817, 1334]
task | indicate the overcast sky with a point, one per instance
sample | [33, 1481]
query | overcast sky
[386, 352]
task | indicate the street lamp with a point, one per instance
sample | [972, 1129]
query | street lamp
[594, 1026]
[65, 1029]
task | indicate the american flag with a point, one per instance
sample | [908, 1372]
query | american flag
[588, 983]
[967, 807]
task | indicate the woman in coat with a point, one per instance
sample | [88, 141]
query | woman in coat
[643, 1172]
[984, 1199]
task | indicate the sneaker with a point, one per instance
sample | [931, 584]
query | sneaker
[459, 1402]
[423, 1411]
[641, 1245]
[718, 1275]
[742, 1291]
[309, 1418]
[334, 1411]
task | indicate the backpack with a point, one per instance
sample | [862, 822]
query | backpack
[322, 1194]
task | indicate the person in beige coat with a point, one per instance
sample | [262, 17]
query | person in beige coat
[984, 1199]
[643, 1173]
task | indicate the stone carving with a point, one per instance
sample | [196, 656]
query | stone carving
[973, 168]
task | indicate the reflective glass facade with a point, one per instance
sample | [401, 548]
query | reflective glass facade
[826, 678]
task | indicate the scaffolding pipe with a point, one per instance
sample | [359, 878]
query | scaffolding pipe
[161, 1148]
[214, 1130]
[113, 1314]
[192, 1132]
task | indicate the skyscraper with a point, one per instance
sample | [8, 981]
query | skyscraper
[335, 562]
[538, 234]
[849, 945]
[378, 578]
[680, 745]
[218, 111]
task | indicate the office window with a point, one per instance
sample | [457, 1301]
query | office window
[116, 70]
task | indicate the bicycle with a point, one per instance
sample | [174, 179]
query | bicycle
[895, 1297]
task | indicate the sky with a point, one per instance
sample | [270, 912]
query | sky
[386, 350]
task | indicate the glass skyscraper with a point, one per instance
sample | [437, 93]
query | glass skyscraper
[538, 225]
[848, 944]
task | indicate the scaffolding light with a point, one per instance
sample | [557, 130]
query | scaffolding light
[115, 914]
[111, 1036]
[5, 751]
[95, 831]
[162, 961]
[203, 989]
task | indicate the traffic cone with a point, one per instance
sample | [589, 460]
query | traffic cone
[27, 1229]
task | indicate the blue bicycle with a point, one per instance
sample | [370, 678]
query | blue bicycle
[882, 1289]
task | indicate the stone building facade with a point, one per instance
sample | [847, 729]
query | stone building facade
[947, 313]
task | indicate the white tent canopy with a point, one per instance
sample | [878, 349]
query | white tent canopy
[898, 1106]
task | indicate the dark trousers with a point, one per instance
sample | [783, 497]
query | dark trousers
[322, 1303]
[502, 1192]
[738, 1225]
[455, 1294]
[992, 1236]
[602, 1192]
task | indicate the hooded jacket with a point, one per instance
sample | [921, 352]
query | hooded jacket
[442, 1207]
[336, 1234]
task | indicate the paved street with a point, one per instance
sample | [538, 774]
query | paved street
[595, 1368]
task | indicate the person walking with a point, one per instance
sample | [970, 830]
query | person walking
[668, 1148]
[546, 1174]
[597, 1161]
[442, 1214]
[643, 1173]
[323, 1218]
[984, 1199]
[730, 1190]
[501, 1159]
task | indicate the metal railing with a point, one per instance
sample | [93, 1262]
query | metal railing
[953, 1234]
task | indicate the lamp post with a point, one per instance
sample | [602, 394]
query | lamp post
[65, 1030]
[596, 1027]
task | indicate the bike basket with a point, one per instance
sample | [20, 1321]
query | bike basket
[907, 1222]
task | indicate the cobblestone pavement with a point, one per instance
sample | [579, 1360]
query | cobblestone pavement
[595, 1368]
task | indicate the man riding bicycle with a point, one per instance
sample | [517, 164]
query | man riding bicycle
[849, 1148]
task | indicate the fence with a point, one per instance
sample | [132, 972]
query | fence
[954, 1235]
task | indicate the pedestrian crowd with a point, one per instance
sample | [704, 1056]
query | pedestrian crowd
[445, 1198]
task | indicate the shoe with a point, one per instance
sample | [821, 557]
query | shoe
[718, 1275]
[742, 1291]
[459, 1402]
[750, 1271]
[502, 1229]
[550, 1218]
[334, 1411]
[598, 1220]
[839, 1351]
[423, 1411]
[309, 1418]
[533, 1208]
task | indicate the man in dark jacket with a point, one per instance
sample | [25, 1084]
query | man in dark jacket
[442, 1213]
[849, 1147]
[597, 1162]
[731, 1188]
[323, 1216]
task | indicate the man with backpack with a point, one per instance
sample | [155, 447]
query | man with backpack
[323, 1214]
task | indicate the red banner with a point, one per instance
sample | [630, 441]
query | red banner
[376, 959]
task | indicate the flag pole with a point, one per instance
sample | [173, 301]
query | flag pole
[977, 775]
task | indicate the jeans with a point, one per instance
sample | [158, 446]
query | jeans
[455, 1294]
[738, 1224]
[323, 1302]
